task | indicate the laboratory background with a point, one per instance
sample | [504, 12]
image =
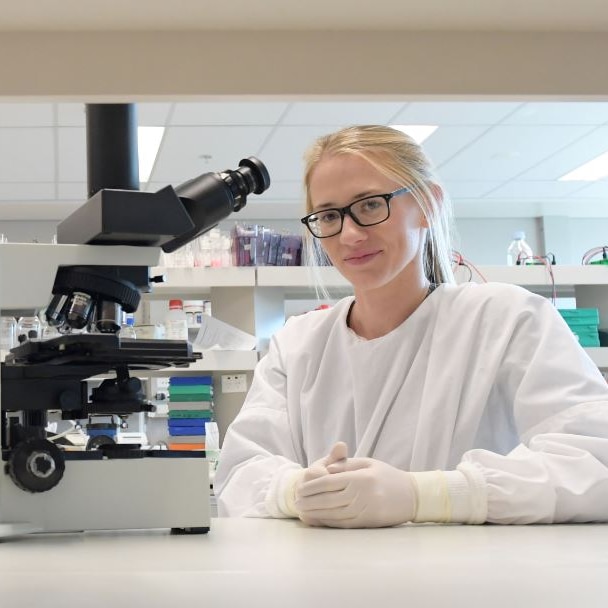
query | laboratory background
[528, 182]
[510, 106]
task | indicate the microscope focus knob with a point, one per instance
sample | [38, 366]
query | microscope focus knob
[36, 465]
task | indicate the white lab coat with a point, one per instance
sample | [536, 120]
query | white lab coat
[486, 379]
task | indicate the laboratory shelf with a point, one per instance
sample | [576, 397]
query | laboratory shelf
[588, 284]
[599, 355]
[299, 276]
[536, 276]
[196, 281]
[305, 279]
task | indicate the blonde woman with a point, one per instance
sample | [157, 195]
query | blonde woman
[417, 399]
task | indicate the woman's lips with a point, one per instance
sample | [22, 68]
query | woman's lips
[358, 259]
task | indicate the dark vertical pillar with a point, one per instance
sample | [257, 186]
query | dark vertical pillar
[112, 159]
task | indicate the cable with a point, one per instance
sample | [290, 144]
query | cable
[589, 255]
[548, 261]
[459, 260]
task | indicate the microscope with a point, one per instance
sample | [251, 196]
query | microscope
[96, 272]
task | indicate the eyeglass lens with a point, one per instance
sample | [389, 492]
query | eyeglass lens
[366, 212]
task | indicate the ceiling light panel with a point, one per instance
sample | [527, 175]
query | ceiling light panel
[418, 133]
[593, 170]
[148, 144]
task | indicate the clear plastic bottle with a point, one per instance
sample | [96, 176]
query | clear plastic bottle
[29, 328]
[8, 333]
[48, 332]
[176, 322]
[519, 252]
[127, 329]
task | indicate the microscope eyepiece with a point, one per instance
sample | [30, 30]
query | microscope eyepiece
[212, 197]
[254, 171]
[251, 176]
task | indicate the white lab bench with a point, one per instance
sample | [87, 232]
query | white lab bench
[282, 563]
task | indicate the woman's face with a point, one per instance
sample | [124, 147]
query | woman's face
[373, 256]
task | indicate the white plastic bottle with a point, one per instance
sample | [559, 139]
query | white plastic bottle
[519, 251]
[194, 313]
[176, 322]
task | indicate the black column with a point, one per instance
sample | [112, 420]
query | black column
[112, 159]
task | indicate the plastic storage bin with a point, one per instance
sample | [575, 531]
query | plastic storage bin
[584, 324]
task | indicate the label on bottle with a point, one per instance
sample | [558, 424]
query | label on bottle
[176, 329]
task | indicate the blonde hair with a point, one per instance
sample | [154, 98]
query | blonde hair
[399, 157]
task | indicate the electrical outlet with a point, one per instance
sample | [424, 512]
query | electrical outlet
[234, 383]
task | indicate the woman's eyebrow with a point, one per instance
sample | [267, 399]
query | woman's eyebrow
[356, 197]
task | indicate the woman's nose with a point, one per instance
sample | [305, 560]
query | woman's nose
[351, 231]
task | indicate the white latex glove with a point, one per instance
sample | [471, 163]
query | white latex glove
[318, 468]
[358, 493]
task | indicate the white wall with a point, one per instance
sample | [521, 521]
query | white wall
[485, 241]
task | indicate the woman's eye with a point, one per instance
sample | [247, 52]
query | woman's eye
[329, 217]
[372, 204]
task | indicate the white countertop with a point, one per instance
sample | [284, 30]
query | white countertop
[252, 562]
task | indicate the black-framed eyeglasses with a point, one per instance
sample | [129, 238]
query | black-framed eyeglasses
[367, 211]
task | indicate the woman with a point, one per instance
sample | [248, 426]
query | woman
[416, 399]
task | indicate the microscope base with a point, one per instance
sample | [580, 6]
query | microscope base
[113, 494]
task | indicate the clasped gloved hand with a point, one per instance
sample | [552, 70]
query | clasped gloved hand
[355, 493]
[318, 468]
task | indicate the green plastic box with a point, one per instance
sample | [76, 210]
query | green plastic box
[584, 324]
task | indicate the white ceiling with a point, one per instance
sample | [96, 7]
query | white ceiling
[541, 15]
[495, 158]
[499, 159]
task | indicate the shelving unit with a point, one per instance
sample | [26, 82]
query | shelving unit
[199, 281]
[253, 300]
[257, 295]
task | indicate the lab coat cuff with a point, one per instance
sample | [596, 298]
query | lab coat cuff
[449, 496]
[280, 501]
[477, 492]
